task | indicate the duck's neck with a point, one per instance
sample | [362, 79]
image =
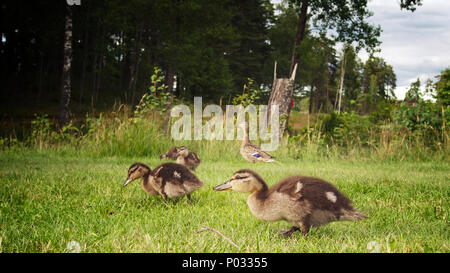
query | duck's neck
[245, 139]
[146, 185]
[181, 159]
[262, 206]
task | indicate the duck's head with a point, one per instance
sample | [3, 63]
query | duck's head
[182, 151]
[243, 181]
[171, 153]
[137, 170]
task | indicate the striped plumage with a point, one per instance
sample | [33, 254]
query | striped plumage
[183, 156]
[169, 180]
[187, 158]
[300, 200]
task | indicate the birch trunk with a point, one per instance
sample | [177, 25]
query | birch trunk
[342, 81]
[64, 109]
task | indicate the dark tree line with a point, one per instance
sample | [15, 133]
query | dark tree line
[208, 48]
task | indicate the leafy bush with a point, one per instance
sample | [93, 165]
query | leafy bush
[157, 99]
[253, 93]
[443, 88]
[423, 118]
[382, 113]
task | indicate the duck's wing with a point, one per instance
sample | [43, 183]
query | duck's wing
[176, 174]
[258, 154]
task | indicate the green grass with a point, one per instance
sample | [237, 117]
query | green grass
[50, 198]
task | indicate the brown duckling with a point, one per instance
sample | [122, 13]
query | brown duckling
[253, 153]
[183, 156]
[171, 153]
[187, 158]
[300, 200]
[169, 180]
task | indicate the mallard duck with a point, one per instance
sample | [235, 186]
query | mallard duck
[253, 153]
[171, 153]
[300, 200]
[169, 180]
[187, 158]
[183, 156]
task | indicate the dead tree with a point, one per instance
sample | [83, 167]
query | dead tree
[282, 95]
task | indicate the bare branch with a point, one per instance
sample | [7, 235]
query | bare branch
[218, 232]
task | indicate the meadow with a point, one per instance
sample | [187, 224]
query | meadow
[49, 198]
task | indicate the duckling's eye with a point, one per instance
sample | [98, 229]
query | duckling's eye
[241, 177]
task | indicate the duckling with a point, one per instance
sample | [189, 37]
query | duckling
[300, 200]
[183, 156]
[171, 153]
[253, 153]
[169, 180]
[187, 158]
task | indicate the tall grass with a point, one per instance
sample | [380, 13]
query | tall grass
[122, 132]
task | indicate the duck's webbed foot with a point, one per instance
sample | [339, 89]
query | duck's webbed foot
[164, 197]
[287, 232]
[189, 199]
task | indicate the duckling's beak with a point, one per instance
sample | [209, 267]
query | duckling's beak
[126, 182]
[225, 186]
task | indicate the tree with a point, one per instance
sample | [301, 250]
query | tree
[249, 49]
[352, 78]
[347, 19]
[385, 77]
[64, 105]
[443, 88]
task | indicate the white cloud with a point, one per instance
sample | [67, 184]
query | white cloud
[416, 44]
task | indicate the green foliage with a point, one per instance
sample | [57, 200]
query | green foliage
[44, 134]
[426, 120]
[250, 94]
[349, 20]
[443, 88]
[345, 129]
[157, 98]
[41, 130]
[379, 78]
[382, 112]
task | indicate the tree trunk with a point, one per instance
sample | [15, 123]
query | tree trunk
[64, 109]
[301, 27]
[41, 76]
[342, 80]
[281, 95]
[311, 96]
[170, 80]
[99, 78]
[83, 67]
[85, 55]
[283, 89]
[134, 68]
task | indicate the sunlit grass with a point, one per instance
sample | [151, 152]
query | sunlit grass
[49, 199]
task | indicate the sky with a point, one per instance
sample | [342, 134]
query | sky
[416, 44]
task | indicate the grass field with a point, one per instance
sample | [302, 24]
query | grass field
[48, 199]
